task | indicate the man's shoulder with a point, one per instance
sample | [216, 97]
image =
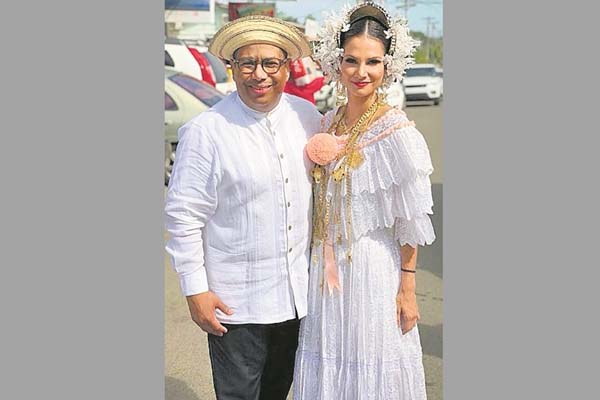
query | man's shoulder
[213, 116]
[302, 105]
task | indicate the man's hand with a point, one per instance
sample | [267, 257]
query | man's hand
[202, 309]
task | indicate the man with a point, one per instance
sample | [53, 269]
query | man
[238, 212]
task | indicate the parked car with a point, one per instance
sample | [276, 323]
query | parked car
[223, 82]
[208, 75]
[224, 79]
[178, 56]
[424, 82]
[192, 57]
[185, 97]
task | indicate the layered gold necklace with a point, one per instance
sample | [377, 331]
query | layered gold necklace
[349, 158]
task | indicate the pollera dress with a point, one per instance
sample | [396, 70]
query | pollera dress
[350, 346]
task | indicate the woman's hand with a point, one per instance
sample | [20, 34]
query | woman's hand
[407, 310]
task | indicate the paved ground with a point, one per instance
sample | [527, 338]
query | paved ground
[187, 366]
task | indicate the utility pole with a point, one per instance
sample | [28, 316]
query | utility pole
[429, 21]
[433, 35]
[407, 4]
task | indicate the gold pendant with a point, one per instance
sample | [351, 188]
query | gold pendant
[355, 159]
[317, 173]
[339, 174]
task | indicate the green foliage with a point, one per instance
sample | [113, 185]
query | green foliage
[285, 17]
[430, 51]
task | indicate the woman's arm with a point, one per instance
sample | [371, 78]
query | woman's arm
[406, 299]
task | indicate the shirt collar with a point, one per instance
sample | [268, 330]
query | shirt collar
[259, 115]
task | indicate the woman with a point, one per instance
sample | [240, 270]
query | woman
[372, 200]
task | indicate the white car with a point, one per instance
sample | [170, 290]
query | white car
[178, 56]
[424, 82]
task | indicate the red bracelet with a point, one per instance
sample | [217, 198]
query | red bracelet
[412, 271]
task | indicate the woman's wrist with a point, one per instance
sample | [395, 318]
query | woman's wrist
[408, 283]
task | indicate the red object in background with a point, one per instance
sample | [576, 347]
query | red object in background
[297, 69]
[207, 73]
[307, 91]
[305, 80]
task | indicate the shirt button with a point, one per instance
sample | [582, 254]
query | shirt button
[290, 250]
[281, 155]
[289, 204]
[286, 180]
[289, 228]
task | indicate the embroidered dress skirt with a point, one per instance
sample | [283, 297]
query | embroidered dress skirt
[350, 346]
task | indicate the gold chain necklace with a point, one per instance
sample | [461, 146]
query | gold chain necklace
[351, 159]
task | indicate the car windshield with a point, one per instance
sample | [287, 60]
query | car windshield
[421, 72]
[218, 68]
[200, 90]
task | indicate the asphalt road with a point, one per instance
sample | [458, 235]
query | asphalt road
[187, 366]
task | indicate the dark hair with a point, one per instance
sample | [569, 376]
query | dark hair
[369, 25]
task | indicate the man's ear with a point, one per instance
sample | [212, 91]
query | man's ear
[288, 65]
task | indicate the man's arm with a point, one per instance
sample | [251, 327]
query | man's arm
[191, 202]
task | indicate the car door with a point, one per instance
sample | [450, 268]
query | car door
[173, 115]
[180, 107]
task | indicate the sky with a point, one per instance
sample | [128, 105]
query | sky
[416, 14]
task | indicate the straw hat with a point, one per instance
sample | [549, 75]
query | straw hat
[259, 29]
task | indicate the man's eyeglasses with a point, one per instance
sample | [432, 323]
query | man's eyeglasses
[269, 65]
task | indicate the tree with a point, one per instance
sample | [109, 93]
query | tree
[430, 51]
[285, 17]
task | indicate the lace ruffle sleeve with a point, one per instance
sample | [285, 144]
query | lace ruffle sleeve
[392, 188]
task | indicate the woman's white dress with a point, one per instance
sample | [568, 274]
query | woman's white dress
[350, 346]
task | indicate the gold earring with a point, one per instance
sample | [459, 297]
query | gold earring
[381, 94]
[341, 96]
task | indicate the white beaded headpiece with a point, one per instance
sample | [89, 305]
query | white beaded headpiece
[328, 51]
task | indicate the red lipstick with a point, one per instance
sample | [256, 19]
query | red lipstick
[360, 84]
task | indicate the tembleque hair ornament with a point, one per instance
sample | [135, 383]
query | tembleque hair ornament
[328, 50]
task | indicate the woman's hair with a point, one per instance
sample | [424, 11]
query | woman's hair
[371, 27]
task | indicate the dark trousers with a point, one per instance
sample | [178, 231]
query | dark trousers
[254, 361]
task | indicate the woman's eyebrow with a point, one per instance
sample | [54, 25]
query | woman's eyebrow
[368, 59]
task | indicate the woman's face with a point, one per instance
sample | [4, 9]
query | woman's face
[362, 66]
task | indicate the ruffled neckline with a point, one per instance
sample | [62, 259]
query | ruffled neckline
[389, 114]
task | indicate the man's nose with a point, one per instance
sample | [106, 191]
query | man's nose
[259, 72]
